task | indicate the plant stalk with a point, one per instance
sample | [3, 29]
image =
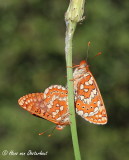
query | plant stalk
[72, 17]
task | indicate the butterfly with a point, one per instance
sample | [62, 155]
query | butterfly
[51, 105]
[88, 100]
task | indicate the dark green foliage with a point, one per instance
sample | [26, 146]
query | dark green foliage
[32, 58]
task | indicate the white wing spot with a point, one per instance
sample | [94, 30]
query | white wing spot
[82, 98]
[66, 119]
[54, 113]
[90, 81]
[59, 87]
[49, 106]
[92, 94]
[58, 119]
[55, 86]
[63, 88]
[104, 118]
[86, 83]
[57, 111]
[51, 103]
[53, 98]
[46, 91]
[96, 110]
[94, 91]
[91, 78]
[28, 101]
[98, 103]
[81, 86]
[21, 102]
[61, 108]
[91, 113]
[24, 98]
[88, 101]
[86, 115]
[31, 100]
[45, 96]
[86, 74]
[50, 87]
[86, 90]
[85, 100]
[80, 113]
[24, 107]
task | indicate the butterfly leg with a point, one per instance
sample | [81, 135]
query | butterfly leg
[74, 66]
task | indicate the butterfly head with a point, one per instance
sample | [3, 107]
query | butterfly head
[82, 68]
[83, 64]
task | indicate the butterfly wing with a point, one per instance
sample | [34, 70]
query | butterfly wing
[56, 100]
[33, 103]
[88, 99]
[50, 105]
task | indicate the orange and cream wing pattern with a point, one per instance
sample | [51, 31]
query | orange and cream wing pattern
[88, 100]
[50, 105]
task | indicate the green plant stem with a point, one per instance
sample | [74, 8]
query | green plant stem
[72, 17]
[68, 49]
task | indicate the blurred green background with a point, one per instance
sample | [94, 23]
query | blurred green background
[32, 58]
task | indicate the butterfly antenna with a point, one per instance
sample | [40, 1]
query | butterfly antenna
[87, 50]
[47, 131]
[99, 53]
[52, 132]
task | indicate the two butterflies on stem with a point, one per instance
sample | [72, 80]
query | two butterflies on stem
[52, 105]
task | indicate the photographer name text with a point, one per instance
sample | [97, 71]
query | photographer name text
[28, 153]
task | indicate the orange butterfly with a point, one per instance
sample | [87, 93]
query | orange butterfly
[88, 99]
[51, 105]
